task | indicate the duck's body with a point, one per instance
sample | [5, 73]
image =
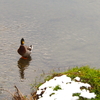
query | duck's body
[23, 50]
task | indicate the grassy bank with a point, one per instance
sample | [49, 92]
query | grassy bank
[86, 74]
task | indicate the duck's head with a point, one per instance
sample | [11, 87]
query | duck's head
[22, 41]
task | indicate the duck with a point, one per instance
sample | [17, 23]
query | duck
[23, 50]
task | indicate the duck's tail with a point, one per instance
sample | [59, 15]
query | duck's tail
[30, 47]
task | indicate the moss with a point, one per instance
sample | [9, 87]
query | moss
[57, 88]
[51, 94]
[76, 94]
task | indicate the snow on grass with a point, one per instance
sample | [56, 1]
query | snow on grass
[63, 87]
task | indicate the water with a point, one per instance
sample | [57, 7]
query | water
[64, 33]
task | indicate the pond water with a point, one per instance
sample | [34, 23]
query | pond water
[64, 33]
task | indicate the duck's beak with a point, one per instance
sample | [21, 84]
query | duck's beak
[23, 42]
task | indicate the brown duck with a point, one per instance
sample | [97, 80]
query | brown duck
[23, 50]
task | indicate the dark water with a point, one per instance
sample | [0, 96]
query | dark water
[64, 33]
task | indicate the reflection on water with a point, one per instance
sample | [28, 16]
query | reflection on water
[22, 65]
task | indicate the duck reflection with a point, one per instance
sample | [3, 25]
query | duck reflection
[22, 65]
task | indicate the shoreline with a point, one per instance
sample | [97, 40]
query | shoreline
[86, 74]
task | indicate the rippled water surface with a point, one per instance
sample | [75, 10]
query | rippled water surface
[64, 33]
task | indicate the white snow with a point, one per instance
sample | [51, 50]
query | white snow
[77, 78]
[67, 87]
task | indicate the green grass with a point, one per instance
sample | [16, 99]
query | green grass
[57, 88]
[87, 75]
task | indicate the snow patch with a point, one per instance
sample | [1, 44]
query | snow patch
[64, 87]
